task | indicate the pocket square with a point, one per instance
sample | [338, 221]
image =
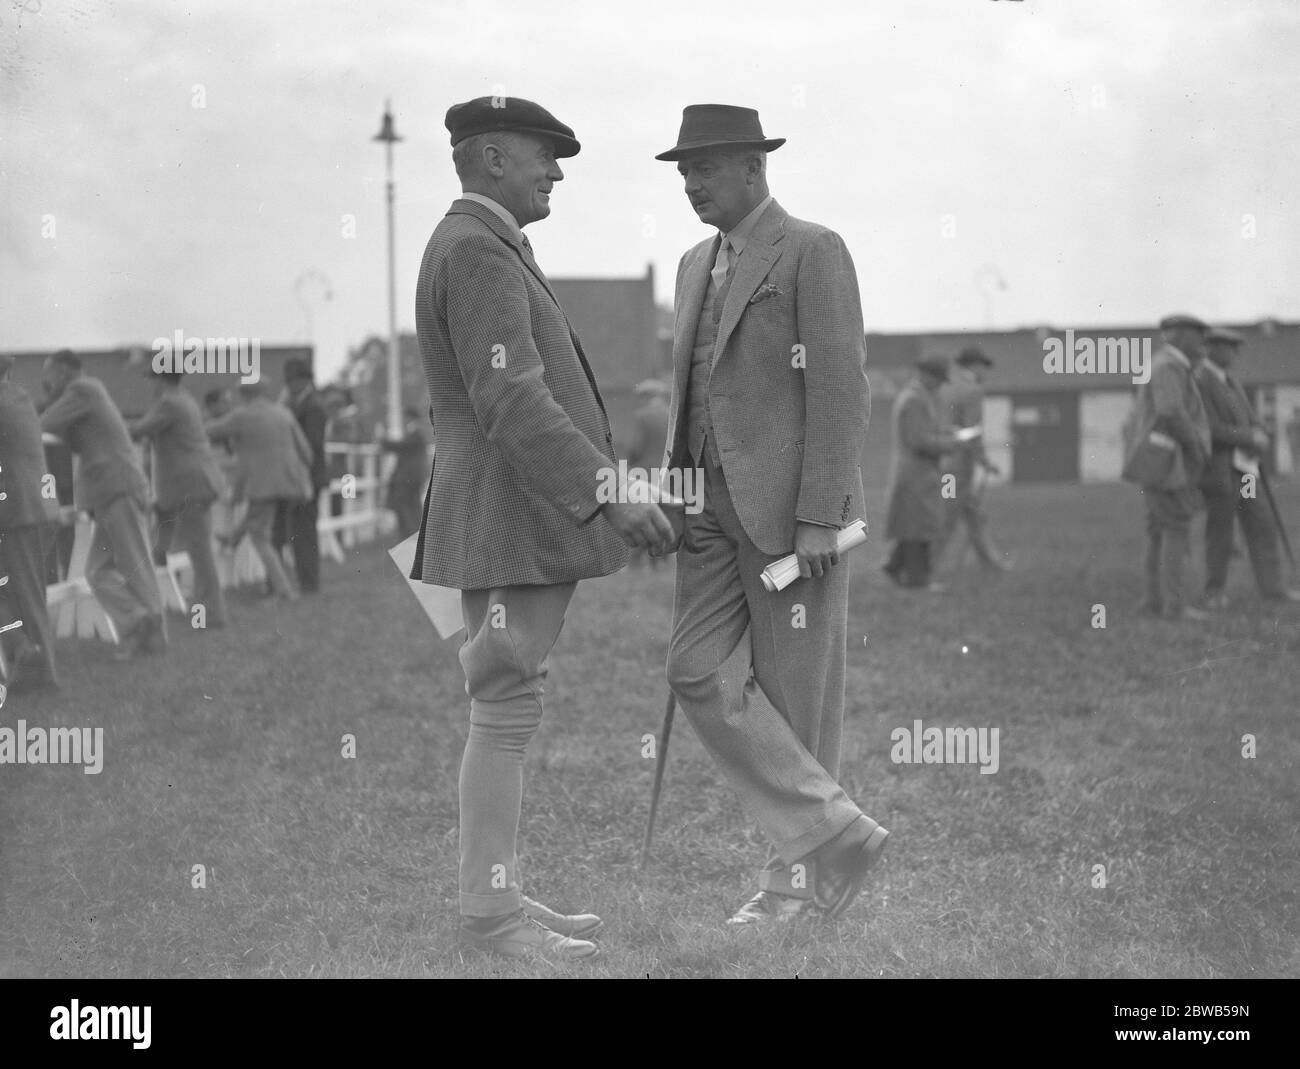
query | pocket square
[764, 292]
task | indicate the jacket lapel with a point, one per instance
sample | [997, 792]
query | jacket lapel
[761, 252]
[499, 228]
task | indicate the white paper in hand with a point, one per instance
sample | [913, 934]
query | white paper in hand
[780, 574]
[441, 604]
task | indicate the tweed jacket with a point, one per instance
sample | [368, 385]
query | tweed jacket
[520, 431]
[185, 469]
[915, 505]
[1169, 402]
[108, 465]
[274, 456]
[22, 461]
[788, 391]
[1231, 419]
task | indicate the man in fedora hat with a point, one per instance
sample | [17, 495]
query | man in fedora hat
[914, 502]
[965, 393]
[770, 398]
[1237, 437]
[513, 517]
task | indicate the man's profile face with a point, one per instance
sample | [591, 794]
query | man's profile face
[718, 186]
[529, 172]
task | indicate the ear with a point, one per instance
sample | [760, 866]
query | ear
[494, 160]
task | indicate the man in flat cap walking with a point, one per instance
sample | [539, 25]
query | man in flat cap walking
[1169, 415]
[512, 517]
[1237, 440]
[770, 398]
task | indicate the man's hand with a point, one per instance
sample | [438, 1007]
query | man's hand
[677, 519]
[1261, 439]
[815, 548]
[641, 526]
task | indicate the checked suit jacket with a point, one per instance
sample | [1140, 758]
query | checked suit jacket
[789, 437]
[519, 426]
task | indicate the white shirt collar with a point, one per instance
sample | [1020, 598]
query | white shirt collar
[502, 212]
[739, 234]
[1219, 373]
[1179, 355]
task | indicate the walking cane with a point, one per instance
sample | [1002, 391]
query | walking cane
[661, 758]
[1277, 519]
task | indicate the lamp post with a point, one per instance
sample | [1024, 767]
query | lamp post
[388, 136]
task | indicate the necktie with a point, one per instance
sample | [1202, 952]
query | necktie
[527, 244]
[722, 264]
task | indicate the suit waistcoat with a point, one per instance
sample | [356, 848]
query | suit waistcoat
[699, 420]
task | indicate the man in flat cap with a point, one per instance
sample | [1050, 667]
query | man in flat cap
[965, 395]
[1168, 414]
[513, 518]
[1238, 440]
[770, 399]
[914, 503]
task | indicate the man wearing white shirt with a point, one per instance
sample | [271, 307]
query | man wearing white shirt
[770, 399]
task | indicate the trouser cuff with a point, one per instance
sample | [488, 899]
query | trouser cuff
[497, 905]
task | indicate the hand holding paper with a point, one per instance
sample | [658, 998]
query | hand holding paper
[780, 574]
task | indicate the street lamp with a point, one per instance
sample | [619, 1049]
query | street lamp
[388, 135]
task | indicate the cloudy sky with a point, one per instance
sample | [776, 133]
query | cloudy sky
[174, 166]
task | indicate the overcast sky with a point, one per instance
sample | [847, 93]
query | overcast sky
[1109, 161]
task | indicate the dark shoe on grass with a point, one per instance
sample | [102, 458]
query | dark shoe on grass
[843, 864]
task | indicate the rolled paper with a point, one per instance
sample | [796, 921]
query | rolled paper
[780, 574]
[968, 434]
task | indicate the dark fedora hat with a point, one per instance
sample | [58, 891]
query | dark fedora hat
[719, 126]
[973, 354]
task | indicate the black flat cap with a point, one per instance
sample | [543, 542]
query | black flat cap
[485, 115]
[973, 354]
[1173, 322]
[1223, 334]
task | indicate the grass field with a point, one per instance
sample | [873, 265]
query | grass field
[1119, 747]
